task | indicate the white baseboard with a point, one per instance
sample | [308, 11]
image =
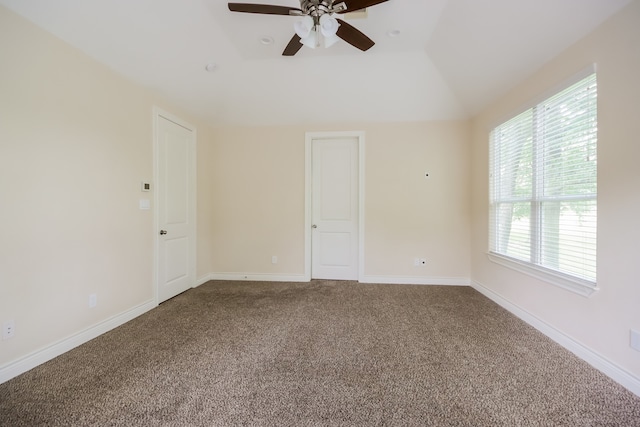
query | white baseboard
[398, 280]
[202, 280]
[30, 361]
[613, 371]
[416, 280]
[258, 277]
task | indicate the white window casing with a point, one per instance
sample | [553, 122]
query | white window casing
[543, 188]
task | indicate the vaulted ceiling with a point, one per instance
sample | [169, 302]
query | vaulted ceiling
[433, 59]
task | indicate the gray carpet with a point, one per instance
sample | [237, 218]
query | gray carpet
[319, 353]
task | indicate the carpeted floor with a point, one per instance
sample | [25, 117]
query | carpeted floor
[319, 353]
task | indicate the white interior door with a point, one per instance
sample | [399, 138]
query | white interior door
[175, 172]
[334, 208]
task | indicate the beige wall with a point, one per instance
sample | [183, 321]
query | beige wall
[75, 144]
[256, 182]
[601, 322]
[408, 216]
[256, 177]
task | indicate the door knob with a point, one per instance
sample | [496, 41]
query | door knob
[163, 232]
[314, 226]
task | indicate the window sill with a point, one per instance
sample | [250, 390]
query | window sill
[575, 285]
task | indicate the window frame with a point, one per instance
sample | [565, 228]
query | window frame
[567, 281]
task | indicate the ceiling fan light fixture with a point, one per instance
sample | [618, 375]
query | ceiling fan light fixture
[304, 27]
[328, 25]
[311, 40]
[330, 40]
[316, 25]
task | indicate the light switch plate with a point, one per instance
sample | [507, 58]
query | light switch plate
[145, 204]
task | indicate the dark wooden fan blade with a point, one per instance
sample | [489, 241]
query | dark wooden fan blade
[353, 5]
[266, 9]
[293, 47]
[353, 36]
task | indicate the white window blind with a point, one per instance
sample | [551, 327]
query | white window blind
[543, 184]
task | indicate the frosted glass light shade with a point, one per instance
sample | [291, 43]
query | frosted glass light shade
[303, 27]
[311, 40]
[328, 25]
[330, 40]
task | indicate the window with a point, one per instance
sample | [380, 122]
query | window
[543, 187]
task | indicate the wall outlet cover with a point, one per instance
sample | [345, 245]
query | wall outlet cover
[8, 329]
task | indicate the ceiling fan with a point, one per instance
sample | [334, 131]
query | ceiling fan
[318, 26]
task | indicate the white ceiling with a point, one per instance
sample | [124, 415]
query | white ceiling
[451, 59]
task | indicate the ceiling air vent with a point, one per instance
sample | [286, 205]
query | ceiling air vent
[356, 14]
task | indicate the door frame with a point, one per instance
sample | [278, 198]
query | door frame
[157, 113]
[309, 137]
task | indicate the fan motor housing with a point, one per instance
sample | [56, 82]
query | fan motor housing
[317, 8]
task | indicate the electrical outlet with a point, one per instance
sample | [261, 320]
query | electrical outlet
[274, 259]
[634, 340]
[93, 300]
[8, 329]
[416, 262]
